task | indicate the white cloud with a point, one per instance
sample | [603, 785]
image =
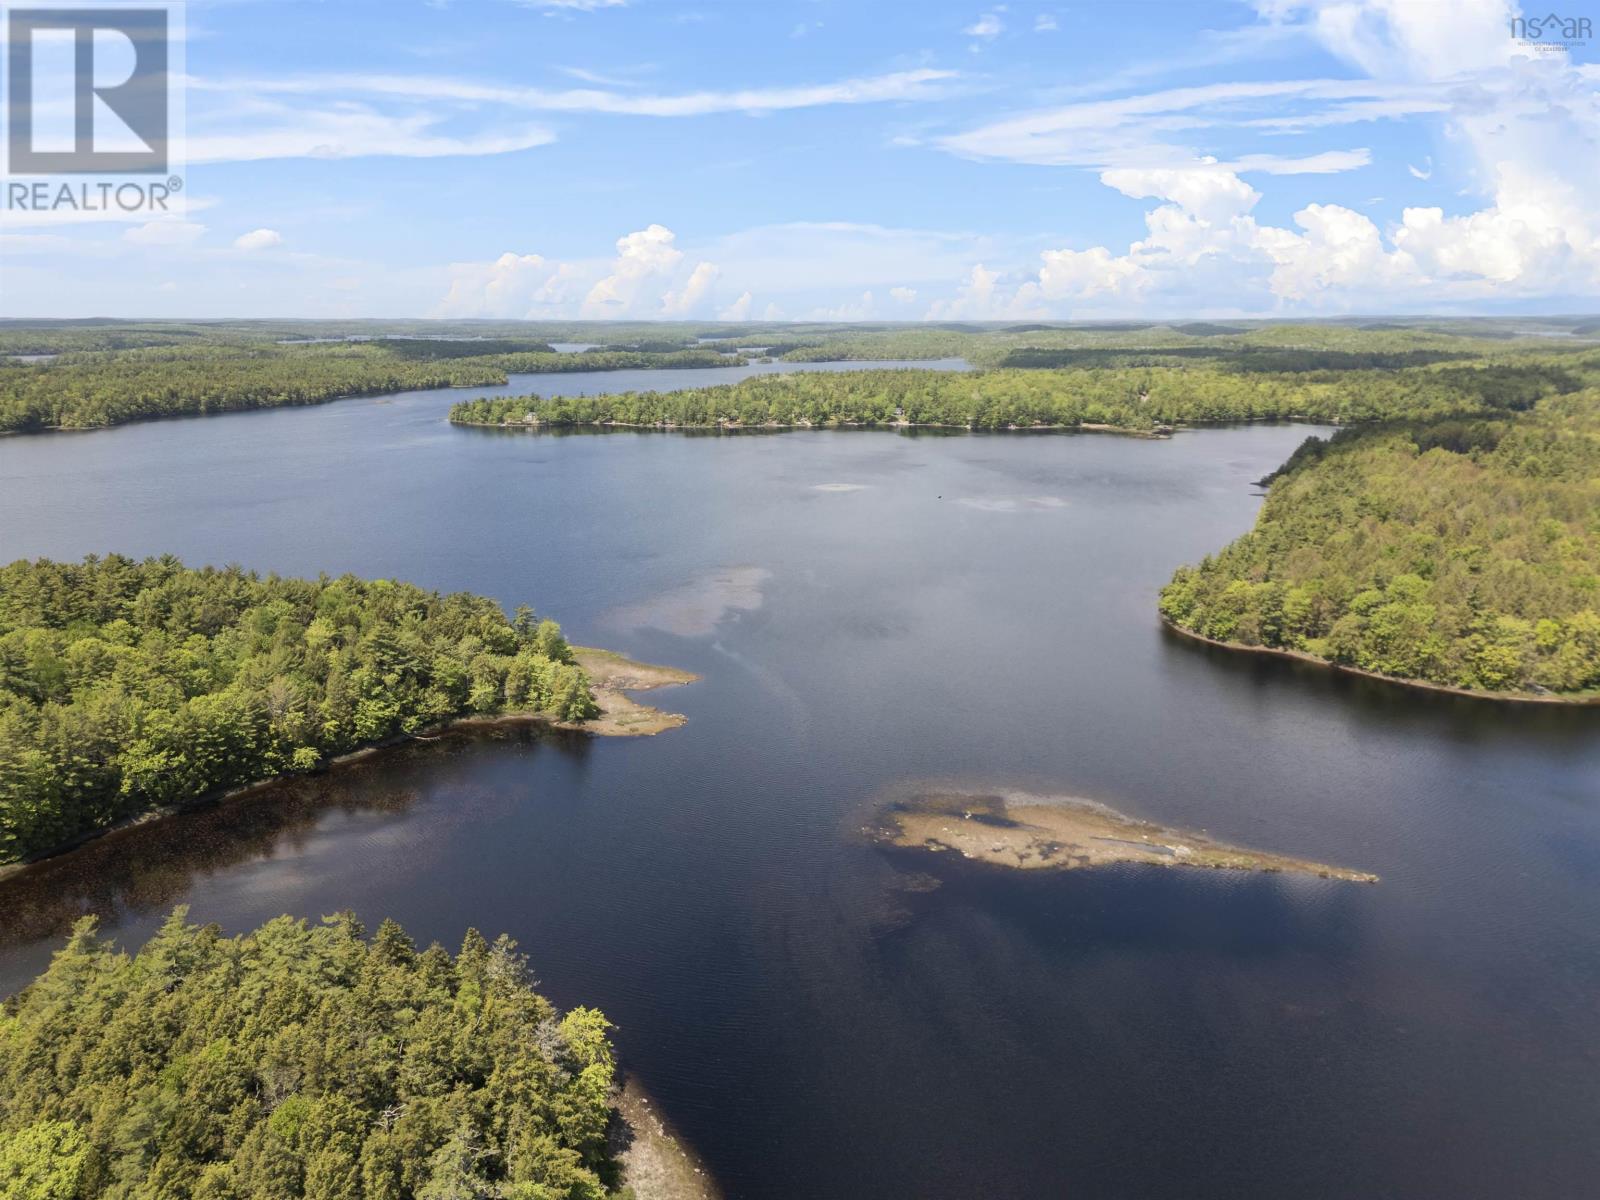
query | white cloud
[649, 277]
[352, 134]
[1203, 244]
[873, 89]
[513, 285]
[1083, 275]
[687, 300]
[355, 115]
[975, 300]
[259, 239]
[1211, 193]
[987, 26]
[642, 257]
[739, 310]
[1522, 130]
[1338, 252]
[1163, 128]
[1530, 125]
[574, 5]
[1328, 162]
[1045, 23]
[1407, 39]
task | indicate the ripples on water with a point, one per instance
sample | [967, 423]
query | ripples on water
[823, 1018]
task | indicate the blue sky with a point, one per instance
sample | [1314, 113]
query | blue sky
[908, 161]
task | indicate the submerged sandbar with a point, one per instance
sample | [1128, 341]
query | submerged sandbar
[1030, 832]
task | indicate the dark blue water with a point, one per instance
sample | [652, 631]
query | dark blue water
[825, 1020]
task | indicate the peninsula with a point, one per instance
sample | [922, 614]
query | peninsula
[135, 688]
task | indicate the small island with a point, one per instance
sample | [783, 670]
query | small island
[1033, 833]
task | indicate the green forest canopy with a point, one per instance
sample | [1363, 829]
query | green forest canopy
[92, 389]
[299, 1061]
[127, 686]
[1464, 553]
[1417, 376]
[109, 372]
[1134, 398]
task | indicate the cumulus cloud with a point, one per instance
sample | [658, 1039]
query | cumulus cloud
[976, 299]
[643, 257]
[687, 300]
[739, 310]
[523, 286]
[1529, 126]
[258, 239]
[649, 277]
[903, 295]
[1203, 243]
[1210, 193]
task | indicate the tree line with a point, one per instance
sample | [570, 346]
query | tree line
[92, 389]
[1464, 553]
[299, 1061]
[127, 686]
[89, 390]
[109, 372]
[1130, 398]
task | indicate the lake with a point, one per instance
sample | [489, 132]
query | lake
[871, 610]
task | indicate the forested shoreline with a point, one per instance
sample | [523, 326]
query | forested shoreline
[300, 1060]
[1136, 399]
[127, 687]
[95, 389]
[1448, 535]
[1465, 394]
[99, 373]
[1463, 554]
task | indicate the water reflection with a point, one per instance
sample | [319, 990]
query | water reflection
[1378, 705]
[148, 868]
[818, 1018]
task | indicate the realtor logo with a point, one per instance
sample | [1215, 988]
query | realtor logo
[87, 90]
